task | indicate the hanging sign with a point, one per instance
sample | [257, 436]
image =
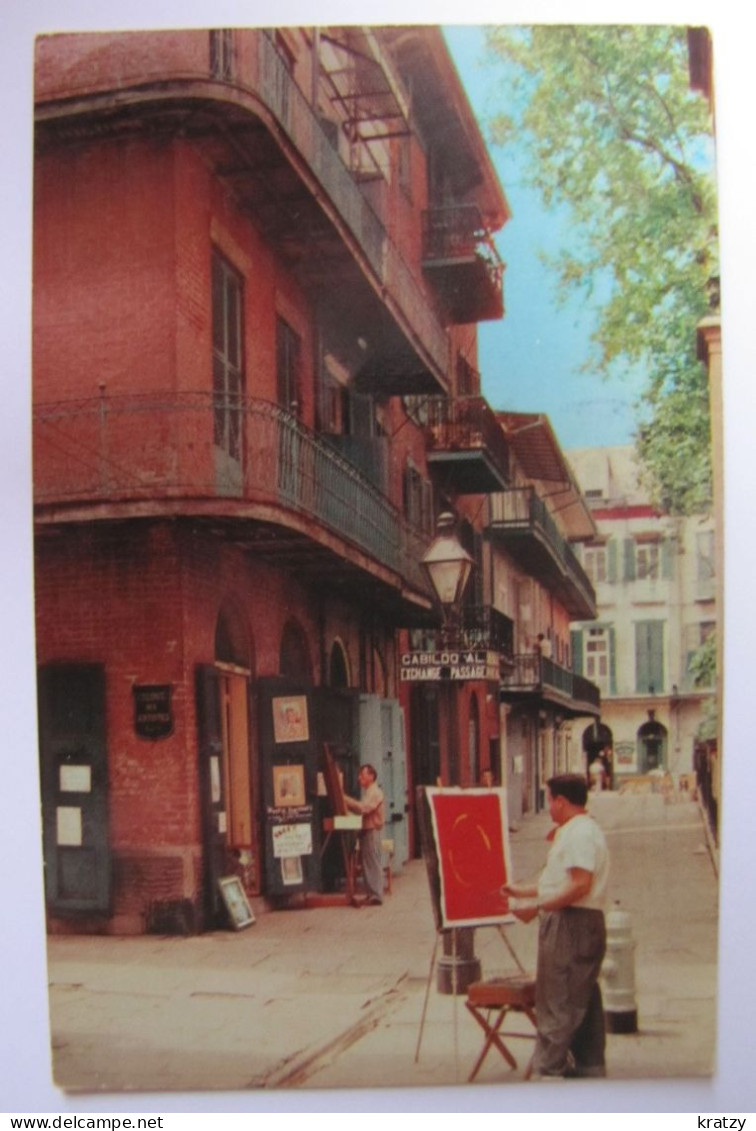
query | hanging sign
[153, 712]
[452, 664]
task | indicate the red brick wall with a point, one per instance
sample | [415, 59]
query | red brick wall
[104, 275]
[143, 599]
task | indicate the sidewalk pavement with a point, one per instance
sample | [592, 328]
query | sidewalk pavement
[333, 997]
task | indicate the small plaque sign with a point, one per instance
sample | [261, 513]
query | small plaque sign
[153, 712]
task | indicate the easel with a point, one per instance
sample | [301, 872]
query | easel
[483, 998]
[347, 836]
[491, 1031]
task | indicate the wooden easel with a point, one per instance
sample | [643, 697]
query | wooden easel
[513, 953]
[492, 1030]
[347, 836]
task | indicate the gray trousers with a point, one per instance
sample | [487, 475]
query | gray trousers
[569, 1009]
[372, 861]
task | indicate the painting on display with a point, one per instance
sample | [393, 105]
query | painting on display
[471, 839]
[288, 786]
[290, 723]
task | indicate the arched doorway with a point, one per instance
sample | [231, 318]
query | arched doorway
[338, 666]
[652, 745]
[598, 742]
[233, 660]
[229, 773]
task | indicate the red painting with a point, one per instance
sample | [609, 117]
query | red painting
[471, 830]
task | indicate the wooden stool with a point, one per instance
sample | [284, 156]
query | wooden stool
[489, 1002]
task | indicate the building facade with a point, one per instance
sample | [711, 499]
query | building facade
[259, 259]
[655, 579]
[515, 619]
[253, 252]
[534, 528]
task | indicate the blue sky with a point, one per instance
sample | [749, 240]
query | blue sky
[531, 360]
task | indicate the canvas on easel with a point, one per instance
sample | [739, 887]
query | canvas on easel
[470, 834]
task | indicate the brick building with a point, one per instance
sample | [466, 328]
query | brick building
[253, 252]
[259, 258]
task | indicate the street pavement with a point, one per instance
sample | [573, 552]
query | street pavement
[333, 997]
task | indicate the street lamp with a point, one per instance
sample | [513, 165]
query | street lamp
[448, 566]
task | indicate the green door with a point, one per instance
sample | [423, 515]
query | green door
[74, 782]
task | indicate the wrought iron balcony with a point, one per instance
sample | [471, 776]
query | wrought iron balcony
[319, 147]
[200, 454]
[521, 522]
[465, 444]
[480, 628]
[536, 676]
[281, 161]
[460, 258]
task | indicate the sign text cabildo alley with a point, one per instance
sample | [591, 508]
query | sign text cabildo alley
[426, 667]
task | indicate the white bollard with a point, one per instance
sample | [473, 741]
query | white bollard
[618, 974]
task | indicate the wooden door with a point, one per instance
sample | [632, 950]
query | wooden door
[74, 782]
[228, 777]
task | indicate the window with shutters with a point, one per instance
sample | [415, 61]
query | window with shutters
[288, 367]
[647, 561]
[228, 378]
[418, 499]
[649, 657]
[596, 564]
[596, 665]
[705, 556]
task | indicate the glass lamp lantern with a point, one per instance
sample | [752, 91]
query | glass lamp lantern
[447, 563]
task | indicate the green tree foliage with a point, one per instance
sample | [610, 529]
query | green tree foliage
[614, 133]
[703, 662]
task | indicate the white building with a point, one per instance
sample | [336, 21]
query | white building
[654, 576]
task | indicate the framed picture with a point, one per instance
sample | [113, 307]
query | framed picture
[291, 869]
[288, 786]
[235, 898]
[290, 723]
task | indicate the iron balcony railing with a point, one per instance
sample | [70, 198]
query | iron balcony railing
[480, 628]
[251, 68]
[188, 446]
[466, 424]
[521, 509]
[532, 672]
[457, 231]
[294, 112]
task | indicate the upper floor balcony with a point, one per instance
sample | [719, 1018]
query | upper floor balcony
[536, 676]
[291, 497]
[280, 160]
[465, 444]
[521, 522]
[479, 628]
[461, 261]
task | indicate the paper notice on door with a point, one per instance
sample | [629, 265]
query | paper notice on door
[69, 826]
[215, 780]
[75, 779]
[221, 822]
[292, 840]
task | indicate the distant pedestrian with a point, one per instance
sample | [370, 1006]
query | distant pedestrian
[373, 809]
[597, 774]
[569, 896]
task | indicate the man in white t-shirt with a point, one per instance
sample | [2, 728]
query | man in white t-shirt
[569, 898]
